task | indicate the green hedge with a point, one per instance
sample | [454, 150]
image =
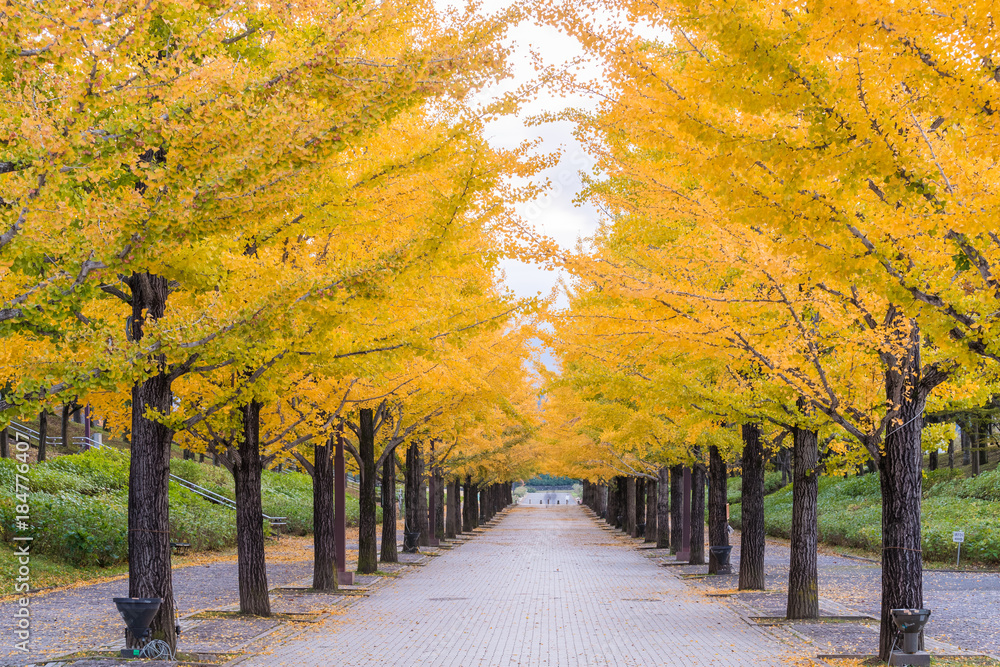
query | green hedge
[850, 514]
[79, 506]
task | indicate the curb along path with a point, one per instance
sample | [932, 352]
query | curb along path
[546, 586]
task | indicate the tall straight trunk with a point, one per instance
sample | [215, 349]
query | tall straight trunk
[411, 523]
[367, 512]
[324, 535]
[149, 470]
[966, 443]
[982, 439]
[951, 453]
[423, 525]
[474, 511]
[663, 508]
[613, 510]
[64, 426]
[602, 501]
[439, 527]
[803, 582]
[629, 526]
[676, 505]
[973, 445]
[467, 504]
[697, 514]
[932, 460]
[901, 482]
[390, 552]
[718, 522]
[640, 506]
[43, 435]
[4, 446]
[752, 505]
[251, 564]
[651, 514]
[453, 523]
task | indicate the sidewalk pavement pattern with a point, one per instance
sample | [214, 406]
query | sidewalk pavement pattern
[544, 587]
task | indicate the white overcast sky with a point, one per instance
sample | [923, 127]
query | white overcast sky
[554, 215]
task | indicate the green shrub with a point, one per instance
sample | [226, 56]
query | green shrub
[105, 469]
[734, 486]
[850, 514]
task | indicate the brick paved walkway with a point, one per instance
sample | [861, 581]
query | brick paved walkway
[547, 586]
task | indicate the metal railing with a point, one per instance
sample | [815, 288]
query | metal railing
[32, 435]
[213, 497]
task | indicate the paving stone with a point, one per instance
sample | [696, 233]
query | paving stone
[541, 588]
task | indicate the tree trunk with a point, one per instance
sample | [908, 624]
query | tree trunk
[651, 515]
[454, 522]
[803, 583]
[149, 472]
[640, 506]
[4, 444]
[932, 460]
[972, 433]
[951, 453]
[718, 522]
[324, 535]
[367, 514]
[251, 564]
[676, 503]
[697, 514]
[439, 527]
[901, 482]
[390, 552]
[629, 526]
[752, 506]
[613, 509]
[423, 524]
[467, 504]
[43, 434]
[474, 511]
[410, 489]
[64, 423]
[663, 509]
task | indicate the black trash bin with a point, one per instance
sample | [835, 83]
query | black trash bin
[718, 560]
[410, 541]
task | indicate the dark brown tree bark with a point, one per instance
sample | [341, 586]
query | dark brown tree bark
[251, 563]
[367, 514]
[718, 522]
[663, 508]
[676, 504]
[467, 504]
[474, 506]
[439, 527]
[907, 386]
[64, 424]
[149, 471]
[651, 516]
[410, 490]
[752, 506]
[613, 508]
[423, 524]
[640, 507]
[629, 526]
[43, 433]
[390, 552]
[453, 523]
[803, 582]
[324, 533]
[697, 514]
[4, 444]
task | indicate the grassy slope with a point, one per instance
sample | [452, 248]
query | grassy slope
[850, 514]
[79, 516]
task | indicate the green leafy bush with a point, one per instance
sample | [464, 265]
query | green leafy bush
[734, 486]
[850, 514]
